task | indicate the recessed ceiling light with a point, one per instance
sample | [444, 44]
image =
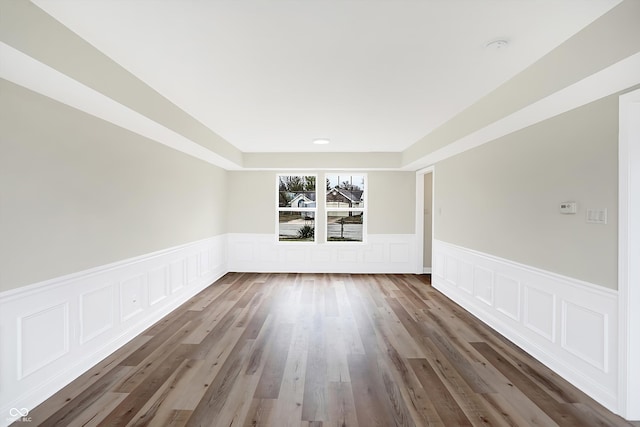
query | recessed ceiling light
[321, 141]
[497, 45]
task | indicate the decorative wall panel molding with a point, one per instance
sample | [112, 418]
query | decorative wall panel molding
[96, 313]
[55, 330]
[382, 253]
[177, 269]
[567, 324]
[157, 285]
[131, 302]
[43, 337]
[576, 319]
[542, 306]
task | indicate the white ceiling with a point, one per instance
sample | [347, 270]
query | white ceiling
[270, 76]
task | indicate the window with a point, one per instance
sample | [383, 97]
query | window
[345, 207]
[296, 208]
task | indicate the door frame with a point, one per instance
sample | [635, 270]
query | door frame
[420, 215]
[628, 256]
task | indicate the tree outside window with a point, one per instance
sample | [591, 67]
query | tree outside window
[296, 208]
[345, 207]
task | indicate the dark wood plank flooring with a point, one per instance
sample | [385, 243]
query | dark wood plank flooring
[319, 350]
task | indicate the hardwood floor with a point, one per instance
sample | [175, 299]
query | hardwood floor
[317, 350]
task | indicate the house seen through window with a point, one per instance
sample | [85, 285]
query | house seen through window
[342, 213]
[296, 208]
[345, 208]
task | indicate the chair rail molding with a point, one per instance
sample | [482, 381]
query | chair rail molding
[544, 313]
[53, 331]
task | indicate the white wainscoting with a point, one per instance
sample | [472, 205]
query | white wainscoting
[567, 324]
[382, 253]
[53, 331]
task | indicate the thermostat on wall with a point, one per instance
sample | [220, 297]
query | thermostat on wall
[568, 207]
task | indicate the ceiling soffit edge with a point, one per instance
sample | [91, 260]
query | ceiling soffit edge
[29, 72]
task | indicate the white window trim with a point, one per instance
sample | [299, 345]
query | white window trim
[295, 209]
[364, 209]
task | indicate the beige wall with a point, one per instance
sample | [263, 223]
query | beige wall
[392, 202]
[251, 202]
[391, 205]
[503, 198]
[77, 192]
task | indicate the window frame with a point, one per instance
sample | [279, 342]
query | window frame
[279, 209]
[364, 209]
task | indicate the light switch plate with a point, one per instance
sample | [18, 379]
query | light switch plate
[597, 216]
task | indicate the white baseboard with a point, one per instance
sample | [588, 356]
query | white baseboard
[55, 330]
[382, 253]
[567, 324]
[426, 270]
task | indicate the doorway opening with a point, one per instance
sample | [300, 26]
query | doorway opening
[424, 219]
